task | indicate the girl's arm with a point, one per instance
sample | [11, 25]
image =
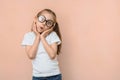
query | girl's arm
[51, 49]
[31, 50]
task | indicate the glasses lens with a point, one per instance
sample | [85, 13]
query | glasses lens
[41, 18]
[49, 23]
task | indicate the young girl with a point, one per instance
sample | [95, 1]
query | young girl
[42, 46]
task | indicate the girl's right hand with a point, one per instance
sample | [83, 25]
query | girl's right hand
[34, 28]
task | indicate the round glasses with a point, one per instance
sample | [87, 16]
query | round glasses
[48, 23]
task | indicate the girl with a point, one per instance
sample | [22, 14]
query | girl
[42, 46]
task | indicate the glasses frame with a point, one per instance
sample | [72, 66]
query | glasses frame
[42, 19]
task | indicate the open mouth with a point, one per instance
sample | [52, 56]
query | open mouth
[41, 27]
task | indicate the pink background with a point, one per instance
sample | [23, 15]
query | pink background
[90, 31]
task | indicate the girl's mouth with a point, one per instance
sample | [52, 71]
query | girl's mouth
[41, 27]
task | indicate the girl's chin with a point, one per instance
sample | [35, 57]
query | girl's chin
[40, 32]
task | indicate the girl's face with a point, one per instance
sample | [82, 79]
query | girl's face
[44, 22]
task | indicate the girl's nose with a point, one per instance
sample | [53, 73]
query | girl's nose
[43, 23]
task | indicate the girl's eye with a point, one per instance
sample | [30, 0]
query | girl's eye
[49, 23]
[41, 18]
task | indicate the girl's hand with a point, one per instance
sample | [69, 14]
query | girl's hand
[34, 28]
[45, 33]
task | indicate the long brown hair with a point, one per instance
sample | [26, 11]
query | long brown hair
[56, 27]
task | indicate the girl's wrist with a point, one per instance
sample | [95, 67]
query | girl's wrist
[38, 37]
[42, 38]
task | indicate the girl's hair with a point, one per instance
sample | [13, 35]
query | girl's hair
[56, 27]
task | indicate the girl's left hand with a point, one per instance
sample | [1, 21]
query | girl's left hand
[45, 33]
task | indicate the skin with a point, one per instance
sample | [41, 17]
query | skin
[41, 31]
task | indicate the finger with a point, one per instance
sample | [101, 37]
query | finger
[35, 24]
[46, 32]
[34, 19]
[35, 28]
[51, 29]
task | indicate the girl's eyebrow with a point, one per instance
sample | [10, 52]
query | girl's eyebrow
[50, 19]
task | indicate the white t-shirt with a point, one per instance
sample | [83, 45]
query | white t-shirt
[42, 64]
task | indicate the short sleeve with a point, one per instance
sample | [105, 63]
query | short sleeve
[28, 39]
[54, 38]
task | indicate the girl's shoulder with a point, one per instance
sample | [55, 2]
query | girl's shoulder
[53, 33]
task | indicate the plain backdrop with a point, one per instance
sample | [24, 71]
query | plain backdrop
[90, 31]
